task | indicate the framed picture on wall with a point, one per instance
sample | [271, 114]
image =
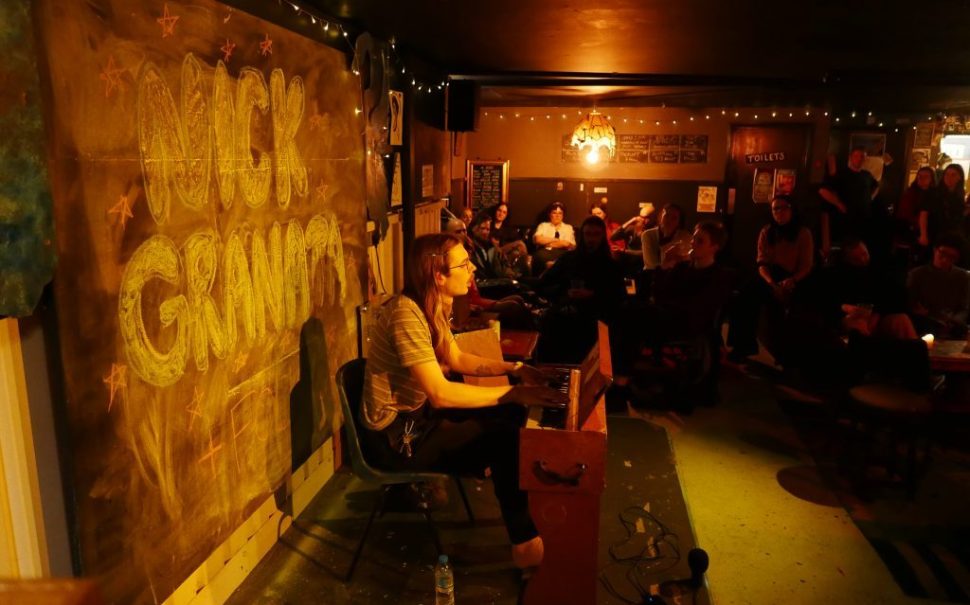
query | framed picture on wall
[764, 185]
[486, 183]
[784, 181]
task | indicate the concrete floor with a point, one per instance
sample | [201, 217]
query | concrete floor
[766, 544]
[775, 533]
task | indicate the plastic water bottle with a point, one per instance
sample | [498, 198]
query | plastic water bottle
[444, 582]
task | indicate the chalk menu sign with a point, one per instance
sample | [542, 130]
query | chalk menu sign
[487, 182]
[633, 148]
[649, 149]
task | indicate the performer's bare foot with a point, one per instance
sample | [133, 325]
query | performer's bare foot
[528, 554]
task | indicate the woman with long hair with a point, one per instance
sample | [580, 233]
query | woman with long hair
[911, 225]
[507, 240]
[785, 258]
[943, 212]
[417, 419]
[600, 209]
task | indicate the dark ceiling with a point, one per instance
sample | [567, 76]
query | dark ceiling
[887, 55]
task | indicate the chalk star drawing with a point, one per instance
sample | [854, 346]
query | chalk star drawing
[116, 381]
[227, 49]
[195, 406]
[167, 21]
[266, 46]
[122, 209]
[111, 76]
[321, 191]
[317, 121]
[210, 454]
[239, 362]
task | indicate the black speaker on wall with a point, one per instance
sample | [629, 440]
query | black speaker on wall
[463, 97]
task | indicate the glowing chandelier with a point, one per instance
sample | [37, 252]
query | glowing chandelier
[596, 132]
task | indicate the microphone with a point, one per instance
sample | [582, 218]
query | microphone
[698, 561]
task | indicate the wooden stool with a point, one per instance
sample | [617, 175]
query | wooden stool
[902, 413]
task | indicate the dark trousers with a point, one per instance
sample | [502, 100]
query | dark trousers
[745, 313]
[465, 442]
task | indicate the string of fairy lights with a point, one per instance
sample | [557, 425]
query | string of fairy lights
[617, 117]
[334, 28]
[331, 27]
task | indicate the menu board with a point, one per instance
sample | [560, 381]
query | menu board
[487, 182]
[649, 149]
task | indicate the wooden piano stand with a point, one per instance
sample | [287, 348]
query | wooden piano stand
[564, 472]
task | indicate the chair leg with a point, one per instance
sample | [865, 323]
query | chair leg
[379, 505]
[464, 498]
[434, 531]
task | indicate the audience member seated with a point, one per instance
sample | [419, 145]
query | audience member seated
[785, 257]
[484, 255]
[617, 246]
[584, 286]
[689, 295]
[553, 238]
[467, 214]
[631, 234]
[939, 292]
[668, 235]
[852, 296]
[508, 241]
[513, 311]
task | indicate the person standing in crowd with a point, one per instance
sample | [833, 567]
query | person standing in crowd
[848, 196]
[417, 419]
[552, 238]
[939, 292]
[785, 258]
[911, 224]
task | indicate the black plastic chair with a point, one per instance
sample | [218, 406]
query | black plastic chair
[350, 383]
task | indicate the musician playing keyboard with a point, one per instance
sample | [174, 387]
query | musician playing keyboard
[417, 419]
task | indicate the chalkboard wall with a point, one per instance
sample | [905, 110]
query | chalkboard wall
[207, 172]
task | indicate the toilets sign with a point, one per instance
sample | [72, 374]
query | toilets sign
[762, 158]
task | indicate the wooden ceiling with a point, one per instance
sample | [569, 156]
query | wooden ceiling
[878, 54]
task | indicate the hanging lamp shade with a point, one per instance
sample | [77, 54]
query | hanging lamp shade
[596, 132]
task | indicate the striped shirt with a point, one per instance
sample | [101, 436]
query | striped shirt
[400, 339]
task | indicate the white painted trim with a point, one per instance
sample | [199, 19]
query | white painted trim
[22, 515]
[213, 582]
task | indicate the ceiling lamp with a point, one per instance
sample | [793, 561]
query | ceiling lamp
[595, 132]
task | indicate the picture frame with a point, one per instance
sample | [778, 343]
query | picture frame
[486, 183]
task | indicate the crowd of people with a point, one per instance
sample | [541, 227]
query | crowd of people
[804, 296]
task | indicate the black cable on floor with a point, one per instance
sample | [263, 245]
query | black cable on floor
[653, 550]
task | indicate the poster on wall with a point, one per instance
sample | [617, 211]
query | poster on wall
[785, 181]
[397, 117]
[706, 198]
[427, 180]
[924, 135]
[919, 158]
[764, 185]
[397, 197]
[208, 168]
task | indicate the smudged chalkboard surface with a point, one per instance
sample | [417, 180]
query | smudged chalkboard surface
[209, 176]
